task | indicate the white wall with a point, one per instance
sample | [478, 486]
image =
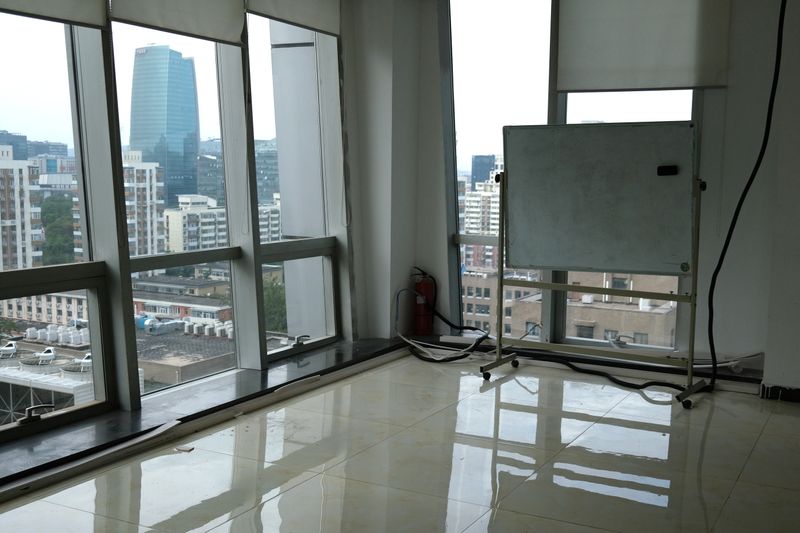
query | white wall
[432, 240]
[757, 296]
[732, 126]
[381, 63]
[783, 356]
[395, 150]
[393, 120]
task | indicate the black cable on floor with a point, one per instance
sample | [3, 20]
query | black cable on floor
[542, 357]
[610, 377]
[764, 143]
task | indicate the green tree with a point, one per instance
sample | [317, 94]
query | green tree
[274, 305]
[59, 246]
[181, 272]
[7, 326]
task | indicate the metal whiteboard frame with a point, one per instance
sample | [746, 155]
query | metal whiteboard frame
[580, 175]
[610, 353]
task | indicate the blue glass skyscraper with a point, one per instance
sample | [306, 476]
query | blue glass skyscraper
[164, 117]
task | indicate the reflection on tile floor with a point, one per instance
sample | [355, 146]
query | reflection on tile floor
[412, 446]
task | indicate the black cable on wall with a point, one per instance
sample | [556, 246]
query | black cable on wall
[764, 143]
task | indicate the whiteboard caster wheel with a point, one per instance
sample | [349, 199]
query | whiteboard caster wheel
[486, 376]
[687, 404]
[515, 363]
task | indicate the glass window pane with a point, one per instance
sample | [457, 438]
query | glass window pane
[184, 323]
[629, 106]
[173, 165]
[484, 104]
[287, 98]
[522, 308]
[41, 219]
[297, 301]
[622, 318]
[618, 319]
[45, 355]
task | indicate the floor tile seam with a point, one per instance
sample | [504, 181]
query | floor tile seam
[712, 523]
[439, 389]
[402, 489]
[432, 414]
[651, 471]
[489, 510]
[781, 435]
[580, 524]
[359, 418]
[768, 486]
[262, 502]
[95, 472]
[590, 426]
[346, 419]
[741, 472]
[417, 492]
[326, 470]
[497, 508]
[630, 393]
[68, 483]
[443, 441]
[549, 461]
[95, 514]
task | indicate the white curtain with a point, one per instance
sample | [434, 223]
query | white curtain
[89, 12]
[642, 44]
[218, 20]
[320, 15]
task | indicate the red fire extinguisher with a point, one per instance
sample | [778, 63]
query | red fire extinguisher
[425, 288]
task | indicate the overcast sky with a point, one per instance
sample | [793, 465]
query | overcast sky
[500, 68]
[39, 106]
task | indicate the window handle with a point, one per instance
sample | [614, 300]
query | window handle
[300, 339]
[31, 415]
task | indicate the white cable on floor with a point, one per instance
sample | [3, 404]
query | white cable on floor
[438, 351]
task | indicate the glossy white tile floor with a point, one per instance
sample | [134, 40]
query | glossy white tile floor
[418, 447]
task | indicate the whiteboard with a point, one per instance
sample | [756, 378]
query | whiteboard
[589, 197]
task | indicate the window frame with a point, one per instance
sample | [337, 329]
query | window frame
[106, 275]
[554, 303]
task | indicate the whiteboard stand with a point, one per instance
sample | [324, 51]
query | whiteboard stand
[610, 353]
[500, 359]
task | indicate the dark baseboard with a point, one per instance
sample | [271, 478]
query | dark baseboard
[775, 392]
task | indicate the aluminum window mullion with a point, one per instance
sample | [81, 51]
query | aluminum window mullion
[336, 196]
[50, 286]
[289, 250]
[153, 262]
[236, 123]
[554, 305]
[481, 240]
[12, 280]
[94, 97]
[451, 181]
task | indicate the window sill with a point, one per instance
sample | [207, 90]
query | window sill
[59, 446]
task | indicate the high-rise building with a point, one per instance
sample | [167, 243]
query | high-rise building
[54, 149]
[144, 201]
[19, 144]
[211, 177]
[56, 197]
[482, 166]
[20, 220]
[463, 187]
[164, 117]
[196, 224]
[266, 169]
[54, 164]
[482, 217]
[269, 219]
